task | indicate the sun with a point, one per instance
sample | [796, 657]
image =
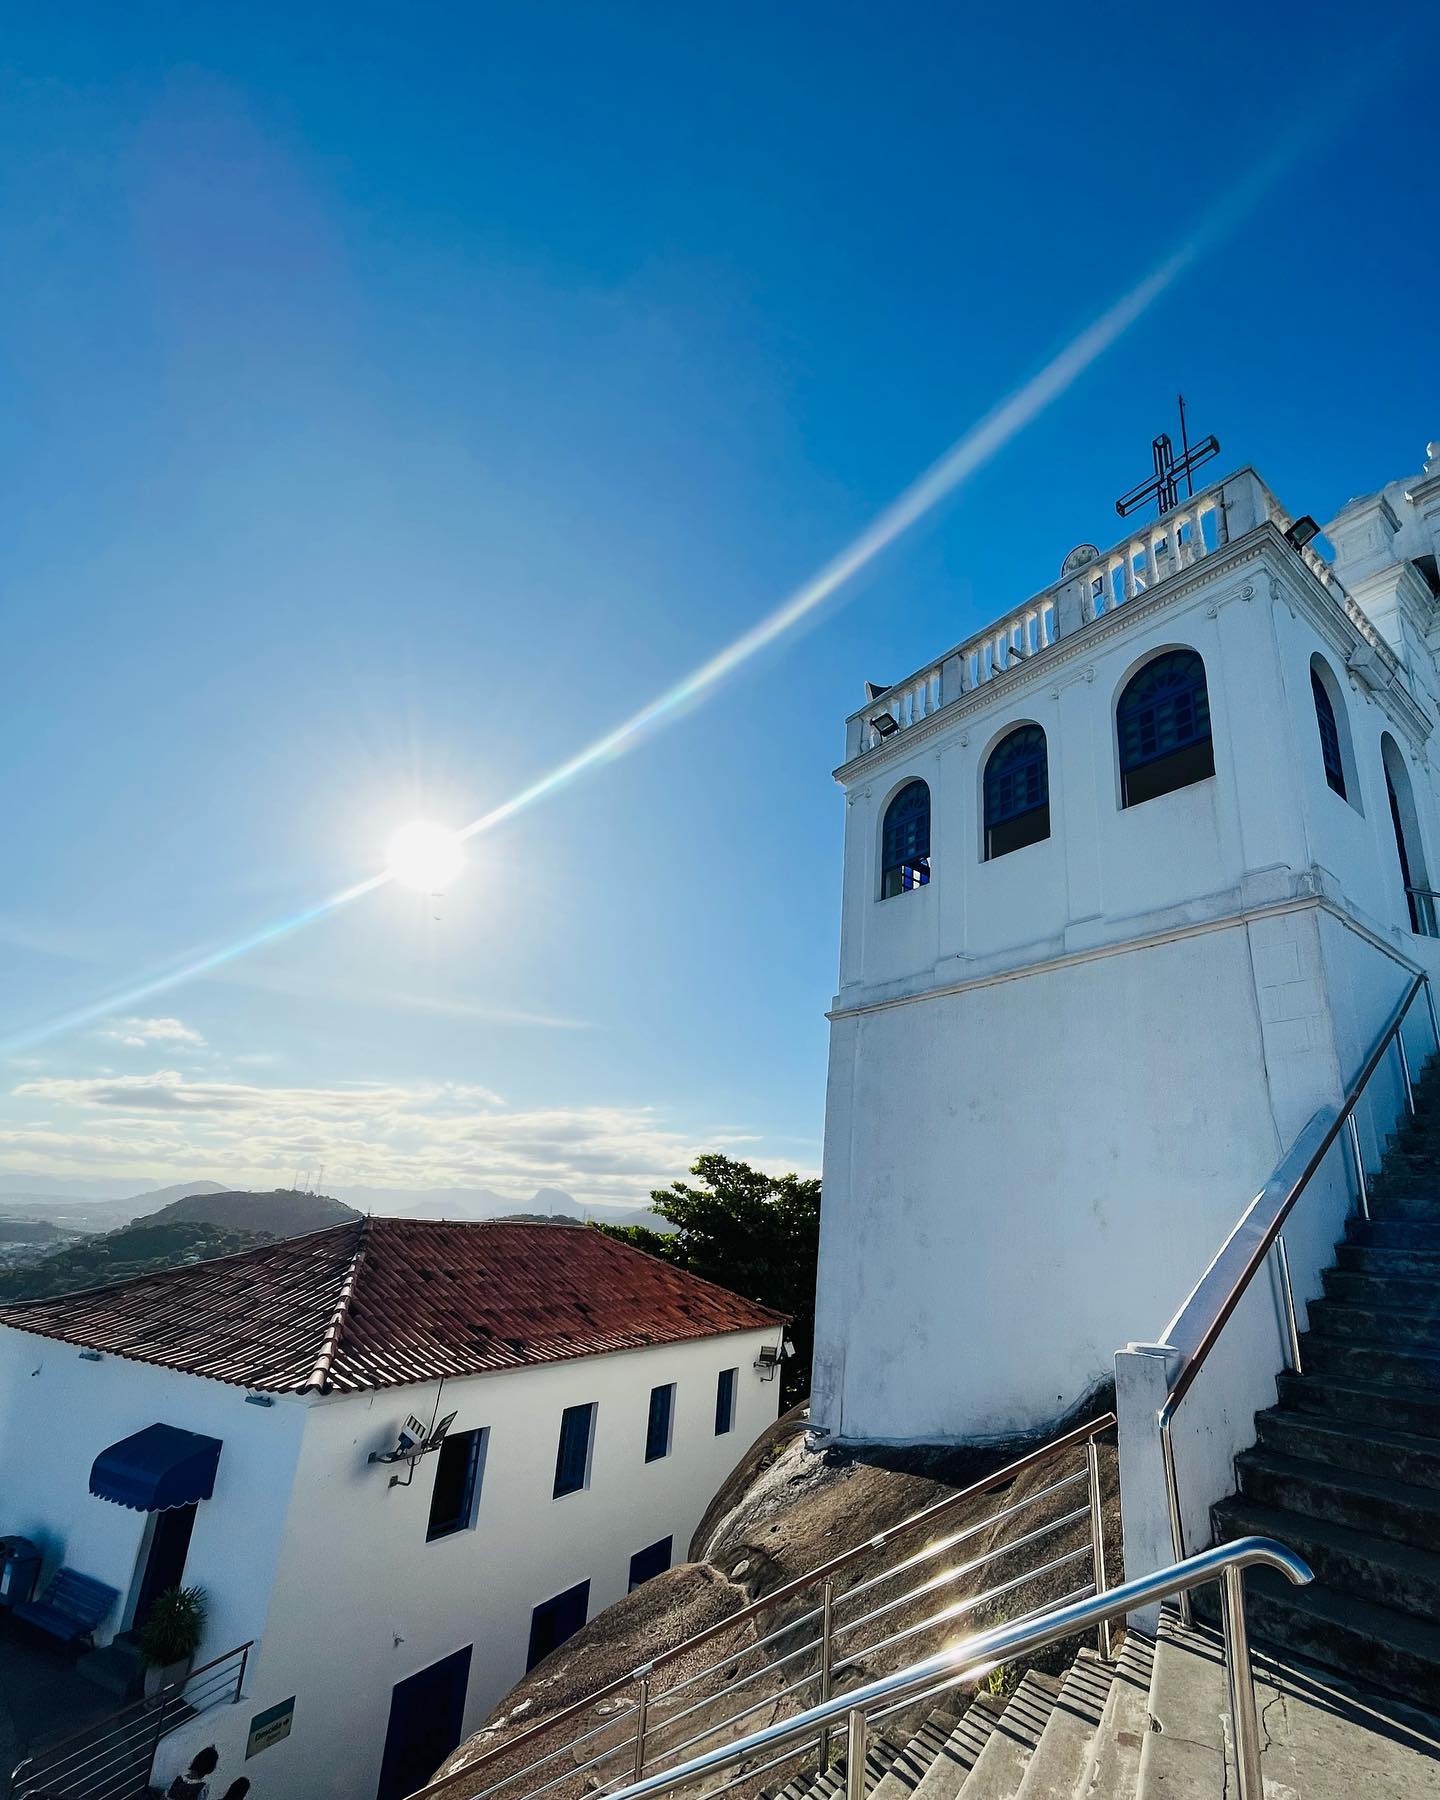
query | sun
[424, 856]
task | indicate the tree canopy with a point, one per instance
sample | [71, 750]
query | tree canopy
[753, 1233]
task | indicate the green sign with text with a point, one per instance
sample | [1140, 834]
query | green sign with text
[268, 1727]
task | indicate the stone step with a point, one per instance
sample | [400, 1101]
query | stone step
[1113, 1769]
[1000, 1767]
[1346, 1560]
[1402, 1202]
[1401, 1292]
[1393, 1234]
[1319, 1741]
[1370, 1259]
[913, 1763]
[1375, 1325]
[1389, 1652]
[1335, 1397]
[1063, 1753]
[1371, 1503]
[1351, 1444]
[960, 1751]
[1383, 1365]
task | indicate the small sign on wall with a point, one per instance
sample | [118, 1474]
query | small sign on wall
[269, 1727]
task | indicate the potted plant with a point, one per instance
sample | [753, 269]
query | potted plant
[170, 1636]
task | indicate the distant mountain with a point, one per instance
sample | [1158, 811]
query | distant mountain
[485, 1203]
[135, 1250]
[282, 1213]
[152, 1201]
[94, 1213]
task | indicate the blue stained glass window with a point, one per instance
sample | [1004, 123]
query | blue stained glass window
[1329, 734]
[1017, 792]
[1163, 721]
[905, 841]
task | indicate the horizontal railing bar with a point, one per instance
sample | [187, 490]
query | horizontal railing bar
[1002, 1644]
[959, 1608]
[948, 1575]
[997, 1478]
[783, 1693]
[769, 1668]
[771, 1637]
[941, 1545]
[1261, 1248]
[925, 1587]
[1037, 1612]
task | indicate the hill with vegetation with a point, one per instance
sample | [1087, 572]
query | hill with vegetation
[282, 1213]
[139, 1249]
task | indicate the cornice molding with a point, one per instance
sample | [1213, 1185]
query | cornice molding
[1265, 544]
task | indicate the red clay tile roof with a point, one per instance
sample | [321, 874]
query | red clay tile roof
[385, 1301]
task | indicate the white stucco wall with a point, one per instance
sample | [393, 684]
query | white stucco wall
[1058, 1078]
[362, 1601]
[58, 1412]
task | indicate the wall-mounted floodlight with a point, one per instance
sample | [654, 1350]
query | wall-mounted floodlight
[885, 723]
[91, 1356]
[1301, 532]
[771, 1356]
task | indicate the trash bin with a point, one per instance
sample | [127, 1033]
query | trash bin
[19, 1570]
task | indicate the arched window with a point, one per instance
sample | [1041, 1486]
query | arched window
[905, 841]
[1419, 901]
[1329, 734]
[1017, 792]
[1336, 755]
[1163, 721]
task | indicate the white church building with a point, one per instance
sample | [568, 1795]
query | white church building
[1131, 880]
[257, 1425]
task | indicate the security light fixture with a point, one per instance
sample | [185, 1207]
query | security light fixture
[771, 1356]
[885, 723]
[1301, 532]
[91, 1356]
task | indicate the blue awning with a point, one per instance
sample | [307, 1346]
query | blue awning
[156, 1469]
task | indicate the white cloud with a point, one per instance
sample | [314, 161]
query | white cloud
[136, 1034]
[425, 1135]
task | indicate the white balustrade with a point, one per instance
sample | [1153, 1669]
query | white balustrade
[1160, 549]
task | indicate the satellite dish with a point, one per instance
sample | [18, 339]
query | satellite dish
[1078, 558]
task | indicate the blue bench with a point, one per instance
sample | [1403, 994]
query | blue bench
[71, 1606]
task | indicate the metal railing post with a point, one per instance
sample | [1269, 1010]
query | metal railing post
[1244, 1724]
[1172, 1495]
[1434, 1016]
[855, 1749]
[642, 1719]
[1405, 1070]
[1289, 1292]
[1097, 1536]
[1359, 1162]
[827, 1638]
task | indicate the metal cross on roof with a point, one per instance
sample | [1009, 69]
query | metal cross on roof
[1164, 485]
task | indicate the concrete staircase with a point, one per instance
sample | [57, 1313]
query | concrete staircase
[1152, 1726]
[1346, 1470]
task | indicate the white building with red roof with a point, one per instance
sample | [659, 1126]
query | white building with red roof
[404, 1459]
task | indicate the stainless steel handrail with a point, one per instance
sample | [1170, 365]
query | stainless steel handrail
[1225, 1563]
[1271, 1237]
[69, 1757]
[819, 1577]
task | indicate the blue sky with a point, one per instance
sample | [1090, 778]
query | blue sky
[396, 399]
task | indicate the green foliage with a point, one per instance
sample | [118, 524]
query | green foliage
[174, 1626]
[116, 1255]
[753, 1233]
